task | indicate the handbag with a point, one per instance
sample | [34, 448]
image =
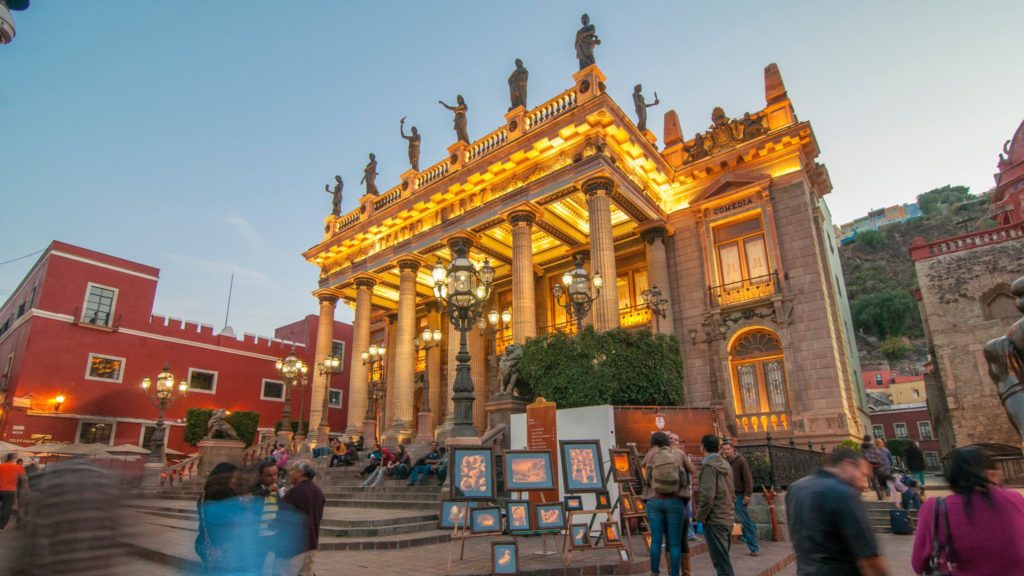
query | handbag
[942, 552]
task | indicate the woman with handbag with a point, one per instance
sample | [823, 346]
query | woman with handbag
[979, 530]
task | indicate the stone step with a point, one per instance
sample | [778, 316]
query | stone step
[189, 514]
[385, 504]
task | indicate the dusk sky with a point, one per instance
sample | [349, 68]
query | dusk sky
[197, 136]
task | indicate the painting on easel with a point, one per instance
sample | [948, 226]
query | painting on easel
[518, 514]
[453, 513]
[604, 501]
[622, 464]
[528, 470]
[485, 520]
[550, 516]
[582, 466]
[472, 472]
[504, 558]
[580, 536]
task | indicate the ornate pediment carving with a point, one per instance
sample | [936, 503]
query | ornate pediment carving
[725, 134]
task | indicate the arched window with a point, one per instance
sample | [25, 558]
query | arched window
[759, 380]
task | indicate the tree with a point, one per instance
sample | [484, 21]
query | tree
[939, 199]
[851, 444]
[895, 348]
[872, 239]
[884, 313]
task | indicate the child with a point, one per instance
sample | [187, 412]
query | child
[911, 492]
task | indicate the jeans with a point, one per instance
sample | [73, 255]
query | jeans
[665, 518]
[6, 507]
[719, 539]
[418, 471]
[749, 529]
[442, 472]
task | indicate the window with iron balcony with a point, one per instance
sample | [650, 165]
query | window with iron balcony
[741, 263]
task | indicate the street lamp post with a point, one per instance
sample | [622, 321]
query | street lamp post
[163, 392]
[656, 304]
[373, 359]
[491, 326]
[328, 366]
[575, 287]
[713, 332]
[462, 290]
[427, 341]
[293, 372]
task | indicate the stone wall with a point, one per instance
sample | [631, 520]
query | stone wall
[957, 293]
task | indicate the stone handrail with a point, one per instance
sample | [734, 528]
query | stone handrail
[184, 470]
[551, 109]
[433, 173]
[253, 454]
[920, 250]
[486, 144]
[348, 220]
[388, 198]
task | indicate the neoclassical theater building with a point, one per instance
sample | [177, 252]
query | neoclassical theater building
[731, 225]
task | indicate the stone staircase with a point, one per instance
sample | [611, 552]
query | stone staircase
[878, 515]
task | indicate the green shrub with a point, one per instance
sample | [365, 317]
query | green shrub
[895, 348]
[884, 313]
[852, 444]
[618, 367]
[196, 420]
[872, 239]
[898, 446]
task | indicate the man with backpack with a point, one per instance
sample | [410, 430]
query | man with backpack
[665, 508]
[715, 504]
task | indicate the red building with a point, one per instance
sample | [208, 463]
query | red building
[78, 336]
[908, 421]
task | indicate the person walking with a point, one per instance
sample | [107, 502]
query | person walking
[226, 541]
[685, 494]
[12, 475]
[715, 504]
[744, 482]
[307, 501]
[915, 462]
[886, 470]
[980, 528]
[828, 525]
[665, 509]
[880, 468]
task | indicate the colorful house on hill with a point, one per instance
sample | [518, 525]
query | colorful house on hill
[78, 336]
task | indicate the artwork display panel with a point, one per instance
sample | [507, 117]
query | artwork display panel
[579, 536]
[622, 464]
[471, 473]
[550, 516]
[529, 470]
[610, 532]
[453, 513]
[504, 558]
[485, 520]
[517, 513]
[573, 503]
[582, 466]
[604, 501]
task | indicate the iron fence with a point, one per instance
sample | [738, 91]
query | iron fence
[777, 466]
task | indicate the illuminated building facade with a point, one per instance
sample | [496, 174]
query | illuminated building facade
[731, 226]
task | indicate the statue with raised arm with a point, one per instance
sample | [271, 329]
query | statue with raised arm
[642, 106]
[370, 176]
[336, 201]
[414, 144]
[586, 39]
[460, 108]
[517, 85]
[1005, 356]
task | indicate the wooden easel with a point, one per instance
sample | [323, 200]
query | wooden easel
[567, 546]
[461, 532]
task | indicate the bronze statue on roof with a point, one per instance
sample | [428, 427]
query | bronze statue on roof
[517, 85]
[642, 106]
[414, 144]
[370, 176]
[336, 200]
[586, 40]
[460, 108]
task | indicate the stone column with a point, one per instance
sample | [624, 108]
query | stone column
[478, 370]
[602, 251]
[357, 371]
[324, 342]
[524, 322]
[657, 273]
[405, 355]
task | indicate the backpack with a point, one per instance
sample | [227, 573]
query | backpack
[665, 476]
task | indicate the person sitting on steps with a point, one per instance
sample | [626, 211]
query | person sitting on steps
[426, 464]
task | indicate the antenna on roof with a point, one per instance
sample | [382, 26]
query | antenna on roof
[228, 331]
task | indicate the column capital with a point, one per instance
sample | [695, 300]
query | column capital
[365, 282]
[409, 264]
[649, 233]
[326, 297]
[598, 185]
[391, 318]
[461, 240]
[523, 215]
[430, 306]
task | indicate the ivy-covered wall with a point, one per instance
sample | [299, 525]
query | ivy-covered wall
[618, 367]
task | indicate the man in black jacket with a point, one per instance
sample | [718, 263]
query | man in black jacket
[744, 482]
[915, 462]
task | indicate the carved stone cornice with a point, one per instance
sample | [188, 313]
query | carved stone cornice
[725, 134]
[558, 195]
[628, 207]
[554, 232]
[659, 231]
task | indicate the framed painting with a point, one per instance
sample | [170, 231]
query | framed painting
[504, 558]
[453, 513]
[622, 464]
[471, 472]
[628, 504]
[528, 470]
[623, 555]
[550, 516]
[640, 505]
[573, 502]
[604, 501]
[485, 520]
[579, 536]
[610, 533]
[582, 467]
[517, 514]
[647, 541]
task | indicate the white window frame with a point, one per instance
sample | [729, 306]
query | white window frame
[263, 384]
[341, 398]
[896, 430]
[216, 376]
[341, 365]
[931, 431]
[876, 428]
[142, 433]
[915, 393]
[85, 303]
[113, 428]
[88, 367]
[938, 462]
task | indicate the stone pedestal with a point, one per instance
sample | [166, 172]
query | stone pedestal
[216, 451]
[369, 433]
[284, 436]
[151, 477]
[500, 410]
[424, 428]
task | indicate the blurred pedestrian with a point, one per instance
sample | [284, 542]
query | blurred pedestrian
[828, 525]
[226, 541]
[744, 482]
[880, 467]
[307, 500]
[715, 504]
[977, 530]
[915, 462]
[12, 475]
[665, 509]
[265, 495]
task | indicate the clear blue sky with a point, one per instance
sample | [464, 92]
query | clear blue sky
[197, 136]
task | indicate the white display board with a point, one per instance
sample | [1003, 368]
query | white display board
[590, 423]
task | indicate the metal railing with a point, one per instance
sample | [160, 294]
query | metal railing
[996, 235]
[635, 315]
[746, 290]
[775, 466]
